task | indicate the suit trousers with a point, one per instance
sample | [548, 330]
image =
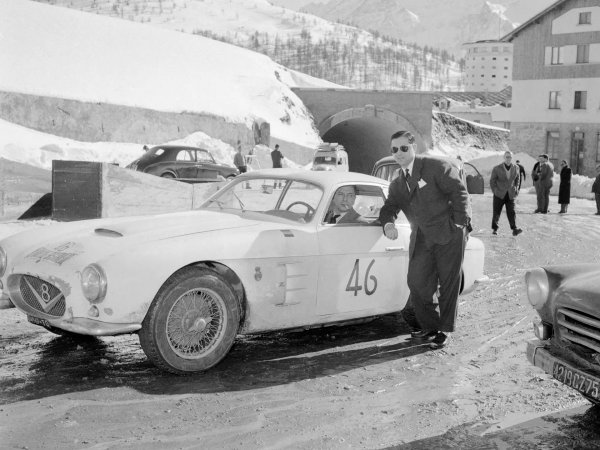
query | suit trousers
[597, 202]
[510, 211]
[545, 196]
[430, 265]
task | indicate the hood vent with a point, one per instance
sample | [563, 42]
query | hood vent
[107, 232]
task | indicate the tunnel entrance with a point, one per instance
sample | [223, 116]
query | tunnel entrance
[365, 134]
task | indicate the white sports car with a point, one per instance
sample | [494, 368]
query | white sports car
[253, 258]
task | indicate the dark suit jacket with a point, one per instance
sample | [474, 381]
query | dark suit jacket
[437, 201]
[350, 217]
[502, 182]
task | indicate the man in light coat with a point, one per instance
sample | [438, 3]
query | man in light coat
[505, 182]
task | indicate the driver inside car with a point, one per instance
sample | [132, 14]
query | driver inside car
[342, 209]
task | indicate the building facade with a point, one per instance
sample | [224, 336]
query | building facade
[556, 84]
[488, 65]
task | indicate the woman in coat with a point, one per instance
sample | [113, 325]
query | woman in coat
[564, 190]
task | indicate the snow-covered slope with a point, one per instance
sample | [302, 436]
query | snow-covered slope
[60, 52]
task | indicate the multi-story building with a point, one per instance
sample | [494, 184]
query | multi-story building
[488, 65]
[556, 84]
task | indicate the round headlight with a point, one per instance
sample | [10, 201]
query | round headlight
[2, 261]
[93, 283]
[538, 287]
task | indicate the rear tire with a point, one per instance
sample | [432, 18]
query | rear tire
[191, 323]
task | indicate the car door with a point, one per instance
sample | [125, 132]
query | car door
[185, 165]
[359, 268]
[206, 167]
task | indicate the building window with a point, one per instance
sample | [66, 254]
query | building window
[580, 100]
[554, 102]
[505, 76]
[482, 58]
[552, 144]
[585, 18]
[494, 58]
[583, 53]
[505, 59]
[493, 67]
[506, 49]
[506, 125]
[505, 67]
[475, 49]
[493, 76]
[556, 56]
[494, 49]
[482, 75]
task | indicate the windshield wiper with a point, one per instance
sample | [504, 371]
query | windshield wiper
[239, 201]
[218, 202]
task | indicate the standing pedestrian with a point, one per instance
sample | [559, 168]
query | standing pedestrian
[433, 197]
[522, 175]
[505, 182]
[277, 157]
[596, 190]
[238, 159]
[564, 189]
[542, 175]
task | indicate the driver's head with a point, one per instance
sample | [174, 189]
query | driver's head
[343, 200]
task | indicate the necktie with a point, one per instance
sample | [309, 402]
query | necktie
[407, 176]
[334, 218]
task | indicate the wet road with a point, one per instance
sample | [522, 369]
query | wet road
[570, 429]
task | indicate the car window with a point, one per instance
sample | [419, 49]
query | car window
[368, 202]
[204, 156]
[184, 155]
[387, 171]
[293, 200]
[324, 160]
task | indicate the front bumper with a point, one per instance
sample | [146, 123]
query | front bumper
[584, 381]
[82, 325]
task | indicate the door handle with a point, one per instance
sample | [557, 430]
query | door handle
[394, 249]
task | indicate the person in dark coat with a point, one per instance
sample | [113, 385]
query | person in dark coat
[564, 189]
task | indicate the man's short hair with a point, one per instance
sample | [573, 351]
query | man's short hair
[407, 134]
[276, 146]
[518, 161]
[543, 155]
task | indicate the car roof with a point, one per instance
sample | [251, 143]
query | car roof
[314, 176]
[178, 147]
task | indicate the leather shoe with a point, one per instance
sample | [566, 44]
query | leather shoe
[440, 340]
[424, 335]
[517, 231]
[537, 211]
[494, 232]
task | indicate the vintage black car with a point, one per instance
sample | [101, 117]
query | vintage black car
[191, 164]
[567, 299]
[387, 168]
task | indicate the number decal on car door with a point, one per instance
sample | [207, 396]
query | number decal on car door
[354, 278]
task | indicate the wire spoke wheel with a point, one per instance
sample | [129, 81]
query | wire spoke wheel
[192, 321]
[195, 323]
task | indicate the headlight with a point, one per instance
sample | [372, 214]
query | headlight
[2, 261]
[93, 283]
[538, 287]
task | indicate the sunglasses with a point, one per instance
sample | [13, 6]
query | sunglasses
[402, 148]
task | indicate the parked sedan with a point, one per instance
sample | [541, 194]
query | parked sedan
[253, 258]
[567, 299]
[183, 163]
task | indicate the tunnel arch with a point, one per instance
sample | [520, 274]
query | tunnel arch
[365, 133]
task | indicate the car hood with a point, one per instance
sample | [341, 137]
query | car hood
[78, 242]
[581, 291]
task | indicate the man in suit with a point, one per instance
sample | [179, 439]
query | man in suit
[546, 181]
[341, 209]
[504, 182]
[435, 201]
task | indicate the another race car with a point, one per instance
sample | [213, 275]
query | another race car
[190, 164]
[567, 299]
[253, 258]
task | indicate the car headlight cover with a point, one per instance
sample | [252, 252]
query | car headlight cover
[93, 283]
[2, 261]
[538, 287]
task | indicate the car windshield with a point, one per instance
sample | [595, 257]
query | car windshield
[324, 160]
[288, 199]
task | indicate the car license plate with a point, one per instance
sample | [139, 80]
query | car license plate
[38, 321]
[577, 380]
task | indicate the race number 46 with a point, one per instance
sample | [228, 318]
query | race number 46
[353, 282]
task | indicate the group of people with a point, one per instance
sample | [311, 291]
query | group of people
[242, 162]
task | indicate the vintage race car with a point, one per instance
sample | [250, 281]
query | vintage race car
[253, 258]
[567, 299]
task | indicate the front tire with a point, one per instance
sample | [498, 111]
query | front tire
[191, 323]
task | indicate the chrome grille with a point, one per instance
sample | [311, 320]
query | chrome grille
[42, 296]
[579, 328]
